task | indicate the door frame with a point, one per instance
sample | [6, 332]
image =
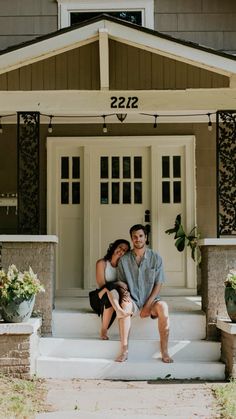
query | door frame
[56, 143]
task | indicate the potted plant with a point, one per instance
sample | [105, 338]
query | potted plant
[183, 240]
[17, 293]
[230, 294]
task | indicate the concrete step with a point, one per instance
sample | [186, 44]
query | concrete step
[183, 326]
[153, 369]
[181, 350]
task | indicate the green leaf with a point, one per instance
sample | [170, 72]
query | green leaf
[180, 244]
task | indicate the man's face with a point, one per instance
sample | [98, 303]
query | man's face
[138, 239]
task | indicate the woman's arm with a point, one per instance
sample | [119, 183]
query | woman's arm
[100, 273]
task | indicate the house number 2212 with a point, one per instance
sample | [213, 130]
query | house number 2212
[122, 102]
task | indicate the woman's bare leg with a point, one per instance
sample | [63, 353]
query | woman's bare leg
[106, 318]
[114, 300]
[124, 327]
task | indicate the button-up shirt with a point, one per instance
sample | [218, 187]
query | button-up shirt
[142, 278]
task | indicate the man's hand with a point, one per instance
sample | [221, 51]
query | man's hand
[146, 311]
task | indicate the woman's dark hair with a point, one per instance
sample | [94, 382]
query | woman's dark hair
[112, 247]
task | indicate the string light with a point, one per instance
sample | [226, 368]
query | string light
[50, 124]
[104, 127]
[155, 121]
[209, 123]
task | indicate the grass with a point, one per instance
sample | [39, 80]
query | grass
[21, 399]
[226, 397]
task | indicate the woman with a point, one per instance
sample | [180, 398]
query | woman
[106, 281]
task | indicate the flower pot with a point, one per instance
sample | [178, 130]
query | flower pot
[18, 310]
[230, 301]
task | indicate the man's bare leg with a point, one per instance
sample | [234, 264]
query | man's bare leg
[160, 310]
[124, 328]
[106, 318]
[114, 300]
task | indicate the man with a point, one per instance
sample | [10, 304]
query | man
[142, 270]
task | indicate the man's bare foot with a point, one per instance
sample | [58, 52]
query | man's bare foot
[120, 314]
[103, 334]
[166, 358]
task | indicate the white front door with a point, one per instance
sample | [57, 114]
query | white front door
[98, 188]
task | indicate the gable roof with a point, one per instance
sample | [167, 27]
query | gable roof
[77, 35]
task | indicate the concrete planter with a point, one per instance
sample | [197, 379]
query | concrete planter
[17, 311]
[230, 301]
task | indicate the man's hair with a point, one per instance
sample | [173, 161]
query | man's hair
[137, 227]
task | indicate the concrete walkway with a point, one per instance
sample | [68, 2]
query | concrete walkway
[94, 399]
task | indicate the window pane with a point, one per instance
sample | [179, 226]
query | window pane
[64, 193]
[75, 167]
[104, 193]
[104, 168]
[134, 16]
[126, 168]
[165, 166]
[115, 167]
[138, 192]
[137, 167]
[75, 193]
[177, 192]
[126, 193]
[65, 168]
[177, 166]
[166, 192]
[115, 193]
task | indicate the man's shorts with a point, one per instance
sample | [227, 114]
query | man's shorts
[136, 311]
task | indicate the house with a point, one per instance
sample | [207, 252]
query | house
[118, 118]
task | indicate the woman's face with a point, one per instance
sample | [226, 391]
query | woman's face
[121, 249]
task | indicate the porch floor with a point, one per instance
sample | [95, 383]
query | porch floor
[175, 303]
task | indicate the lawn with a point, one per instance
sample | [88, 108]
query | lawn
[21, 399]
[226, 396]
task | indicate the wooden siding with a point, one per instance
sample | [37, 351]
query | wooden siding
[132, 69]
[206, 22]
[77, 69]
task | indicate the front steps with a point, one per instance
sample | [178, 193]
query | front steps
[75, 350]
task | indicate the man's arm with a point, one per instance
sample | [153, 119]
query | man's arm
[146, 310]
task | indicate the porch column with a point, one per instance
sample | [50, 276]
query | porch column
[28, 169]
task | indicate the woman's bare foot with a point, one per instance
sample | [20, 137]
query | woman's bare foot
[123, 356]
[120, 313]
[166, 358]
[103, 334]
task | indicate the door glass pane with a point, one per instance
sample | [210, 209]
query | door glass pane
[126, 193]
[126, 168]
[65, 168]
[166, 192]
[177, 192]
[104, 193]
[177, 166]
[165, 166]
[138, 192]
[115, 193]
[115, 167]
[75, 167]
[104, 168]
[76, 193]
[137, 167]
[64, 193]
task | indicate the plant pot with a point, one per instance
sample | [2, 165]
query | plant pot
[230, 301]
[17, 311]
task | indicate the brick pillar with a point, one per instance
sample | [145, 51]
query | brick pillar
[217, 260]
[40, 255]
